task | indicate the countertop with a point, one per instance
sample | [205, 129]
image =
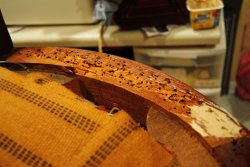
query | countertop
[88, 35]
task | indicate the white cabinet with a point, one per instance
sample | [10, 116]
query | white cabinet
[199, 66]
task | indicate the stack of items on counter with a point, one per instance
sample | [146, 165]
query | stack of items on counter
[160, 17]
[199, 66]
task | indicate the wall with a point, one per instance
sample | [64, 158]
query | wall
[242, 41]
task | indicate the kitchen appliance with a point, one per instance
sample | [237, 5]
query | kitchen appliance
[45, 12]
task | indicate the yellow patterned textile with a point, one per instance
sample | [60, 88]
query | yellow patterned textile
[44, 124]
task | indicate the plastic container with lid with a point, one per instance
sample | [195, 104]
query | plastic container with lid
[204, 14]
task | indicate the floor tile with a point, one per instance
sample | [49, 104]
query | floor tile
[237, 107]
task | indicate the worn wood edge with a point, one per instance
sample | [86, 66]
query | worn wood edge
[202, 139]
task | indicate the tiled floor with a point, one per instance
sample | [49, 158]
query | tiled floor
[238, 108]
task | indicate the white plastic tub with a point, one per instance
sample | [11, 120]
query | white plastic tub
[204, 13]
